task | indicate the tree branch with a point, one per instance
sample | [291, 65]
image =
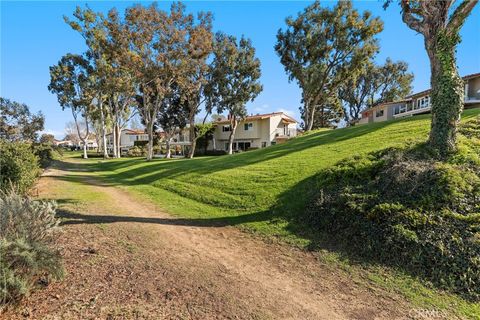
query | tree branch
[408, 17]
[460, 14]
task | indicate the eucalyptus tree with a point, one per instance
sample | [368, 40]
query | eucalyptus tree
[193, 77]
[374, 85]
[119, 80]
[233, 79]
[172, 117]
[70, 81]
[167, 48]
[322, 48]
[440, 22]
[18, 123]
[90, 26]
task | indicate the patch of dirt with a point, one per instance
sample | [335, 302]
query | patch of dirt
[130, 260]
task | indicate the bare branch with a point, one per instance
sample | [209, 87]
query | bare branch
[460, 14]
[408, 16]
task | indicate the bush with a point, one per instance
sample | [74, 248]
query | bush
[140, 143]
[137, 151]
[409, 209]
[26, 236]
[19, 166]
[46, 153]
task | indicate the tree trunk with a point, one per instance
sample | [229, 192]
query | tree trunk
[104, 129]
[114, 141]
[447, 95]
[150, 140]
[85, 155]
[193, 140]
[232, 136]
[168, 155]
[119, 140]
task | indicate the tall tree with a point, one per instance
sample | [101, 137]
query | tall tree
[440, 22]
[172, 117]
[18, 123]
[69, 80]
[118, 86]
[90, 25]
[322, 48]
[375, 85]
[233, 79]
[166, 48]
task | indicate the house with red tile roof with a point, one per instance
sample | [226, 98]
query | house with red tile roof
[255, 131]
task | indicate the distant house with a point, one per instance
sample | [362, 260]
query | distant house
[91, 143]
[255, 131]
[127, 138]
[419, 103]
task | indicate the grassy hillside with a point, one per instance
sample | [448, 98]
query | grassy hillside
[259, 186]
[264, 190]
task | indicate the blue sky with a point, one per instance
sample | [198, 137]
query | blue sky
[34, 37]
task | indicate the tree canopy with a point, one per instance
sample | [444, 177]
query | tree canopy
[18, 123]
[321, 49]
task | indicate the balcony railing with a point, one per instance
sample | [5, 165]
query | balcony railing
[282, 133]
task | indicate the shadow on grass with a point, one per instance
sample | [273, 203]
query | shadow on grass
[139, 172]
[72, 218]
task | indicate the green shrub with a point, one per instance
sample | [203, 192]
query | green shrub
[19, 166]
[409, 209]
[137, 151]
[46, 153]
[26, 238]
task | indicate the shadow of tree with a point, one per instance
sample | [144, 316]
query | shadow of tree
[72, 218]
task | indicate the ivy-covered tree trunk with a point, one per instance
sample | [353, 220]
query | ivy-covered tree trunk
[440, 23]
[447, 95]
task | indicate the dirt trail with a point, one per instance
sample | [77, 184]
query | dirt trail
[129, 260]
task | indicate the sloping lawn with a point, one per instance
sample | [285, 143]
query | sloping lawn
[256, 186]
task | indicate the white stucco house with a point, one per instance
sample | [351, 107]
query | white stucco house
[127, 138]
[255, 131]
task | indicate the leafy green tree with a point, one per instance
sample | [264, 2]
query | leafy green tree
[47, 138]
[322, 48]
[233, 79]
[375, 85]
[90, 25]
[17, 123]
[119, 82]
[440, 23]
[329, 114]
[172, 117]
[69, 80]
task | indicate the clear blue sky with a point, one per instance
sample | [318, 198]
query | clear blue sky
[34, 37]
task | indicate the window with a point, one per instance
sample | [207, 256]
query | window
[226, 128]
[264, 144]
[273, 143]
[248, 126]
[379, 113]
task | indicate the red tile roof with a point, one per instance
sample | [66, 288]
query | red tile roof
[262, 116]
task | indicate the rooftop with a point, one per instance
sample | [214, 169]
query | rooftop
[262, 116]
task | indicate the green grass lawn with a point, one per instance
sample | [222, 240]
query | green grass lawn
[264, 190]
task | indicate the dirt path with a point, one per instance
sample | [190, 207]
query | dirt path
[129, 260]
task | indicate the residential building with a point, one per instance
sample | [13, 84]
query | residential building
[255, 131]
[419, 103]
[127, 138]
